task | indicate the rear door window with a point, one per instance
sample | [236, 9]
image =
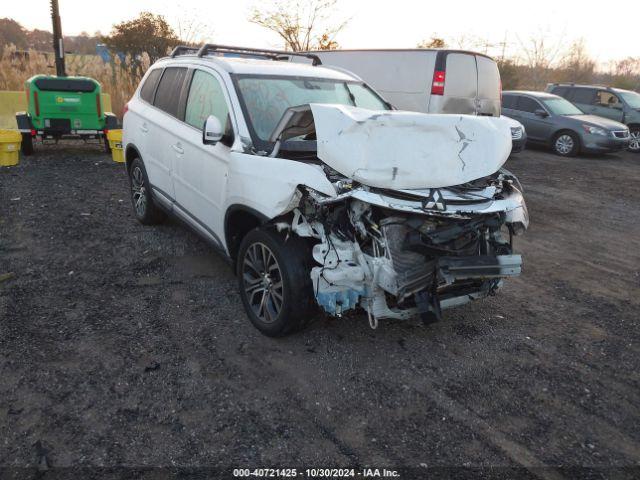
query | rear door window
[560, 91]
[149, 86]
[509, 101]
[205, 98]
[526, 104]
[582, 95]
[169, 90]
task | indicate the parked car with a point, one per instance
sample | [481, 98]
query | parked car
[428, 80]
[518, 135]
[317, 192]
[551, 120]
[614, 103]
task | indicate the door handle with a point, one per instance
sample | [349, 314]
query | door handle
[144, 128]
[178, 148]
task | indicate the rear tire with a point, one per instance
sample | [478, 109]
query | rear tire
[634, 143]
[274, 281]
[144, 208]
[107, 147]
[566, 144]
[27, 144]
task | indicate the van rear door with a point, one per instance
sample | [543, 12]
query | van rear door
[460, 86]
[488, 87]
[471, 84]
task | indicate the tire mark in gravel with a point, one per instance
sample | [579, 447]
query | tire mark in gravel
[618, 439]
[329, 434]
[515, 451]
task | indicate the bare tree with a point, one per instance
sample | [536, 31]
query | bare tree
[433, 42]
[302, 24]
[540, 54]
[575, 64]
[190, 27]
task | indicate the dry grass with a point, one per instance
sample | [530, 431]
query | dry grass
[116, 80]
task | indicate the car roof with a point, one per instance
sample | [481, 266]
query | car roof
[530, 93]
[597, 87]
[251, 66]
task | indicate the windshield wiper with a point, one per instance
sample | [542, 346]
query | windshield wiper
[351, 95]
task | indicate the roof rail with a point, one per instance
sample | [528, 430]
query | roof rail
[208, 48]
[182, 50]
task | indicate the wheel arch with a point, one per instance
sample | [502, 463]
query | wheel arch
[238, 221]
[130, 154]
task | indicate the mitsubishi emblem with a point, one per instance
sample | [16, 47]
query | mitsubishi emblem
[434, 201]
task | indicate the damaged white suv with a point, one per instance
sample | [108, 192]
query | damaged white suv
[318, 191]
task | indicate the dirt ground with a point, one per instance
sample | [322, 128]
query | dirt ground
[126, 346]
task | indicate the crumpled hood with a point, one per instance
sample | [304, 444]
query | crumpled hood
[408, 150]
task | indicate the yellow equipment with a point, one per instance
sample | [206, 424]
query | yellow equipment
[115, 143]
[9, 147]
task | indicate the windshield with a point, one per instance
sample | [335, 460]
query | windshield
[632, 98]
[560, 106]
[267, 98]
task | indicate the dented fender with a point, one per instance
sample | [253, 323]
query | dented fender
[270, 185]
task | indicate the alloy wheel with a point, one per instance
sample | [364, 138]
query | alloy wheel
[564, 144]
[138, 191]
[634, 142]
[262, 281]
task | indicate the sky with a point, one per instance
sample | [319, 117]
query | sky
[372, 24]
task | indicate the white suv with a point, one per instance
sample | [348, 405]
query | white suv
[318, 191]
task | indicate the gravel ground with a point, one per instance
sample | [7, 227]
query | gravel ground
[127, 346]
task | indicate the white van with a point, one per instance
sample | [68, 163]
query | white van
[425, 80]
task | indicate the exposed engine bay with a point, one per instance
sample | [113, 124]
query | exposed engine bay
[396, 252]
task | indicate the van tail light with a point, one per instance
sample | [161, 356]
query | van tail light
[98, 105]
[33, 132]
[125, 109]
[437, 87]
[36, 103]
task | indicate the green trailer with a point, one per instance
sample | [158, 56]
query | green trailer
[63, 107]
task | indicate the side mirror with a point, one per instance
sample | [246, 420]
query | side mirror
[541, 113]
[212, 132]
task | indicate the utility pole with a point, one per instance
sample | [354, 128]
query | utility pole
[58, 47]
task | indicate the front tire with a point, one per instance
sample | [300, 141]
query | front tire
[27, 144]
[146, 211]
[634, 142]
[566, 144]
[274, 281]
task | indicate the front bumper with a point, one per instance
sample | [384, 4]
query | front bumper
[602, 144]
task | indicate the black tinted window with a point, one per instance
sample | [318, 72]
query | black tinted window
[149, 87]
[560, 91]
[509, 101]
[168, 93]
[582, 95]
[527, 104]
